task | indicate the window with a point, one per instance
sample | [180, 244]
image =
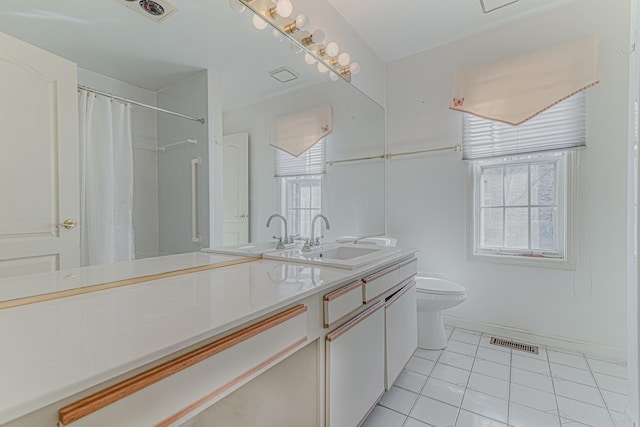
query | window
[521, 180]
[301, 187]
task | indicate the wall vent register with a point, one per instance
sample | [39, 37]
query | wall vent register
[528, 348]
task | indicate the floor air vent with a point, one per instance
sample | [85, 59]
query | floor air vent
[528, 348]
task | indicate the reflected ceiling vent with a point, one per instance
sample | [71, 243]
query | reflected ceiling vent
[284, 74]
[491, 5]
[156, 10]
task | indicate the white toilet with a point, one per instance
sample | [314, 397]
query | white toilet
[435, 295]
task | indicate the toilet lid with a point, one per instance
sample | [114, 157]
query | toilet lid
[438, 286]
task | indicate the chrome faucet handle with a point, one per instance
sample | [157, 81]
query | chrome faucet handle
[279, 245]
[306, 247]
[317, 242]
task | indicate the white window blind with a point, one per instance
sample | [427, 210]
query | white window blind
[311, 162]
[560, 127]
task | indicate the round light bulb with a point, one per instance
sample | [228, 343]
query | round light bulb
[295, 48]
[309, 59]
[236, 6]
[333, 76]
[318, 36]
[332, 49]
[354, 68]
[302, 22]
[284, 8]
[258, 22]
[276, 34]
[344, 58]
[322, 68]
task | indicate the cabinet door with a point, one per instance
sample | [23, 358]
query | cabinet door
[355, 368]
[401, 331]
[39, 163]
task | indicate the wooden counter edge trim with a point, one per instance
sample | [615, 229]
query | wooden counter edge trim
[175, 417]
[350, 324]
[125, 282]
[99, 400]
[392, 288]
[343, 290]
[388, 270]
[408, 285]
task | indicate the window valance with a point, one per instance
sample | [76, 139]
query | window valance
[517, 89]
[296, 133]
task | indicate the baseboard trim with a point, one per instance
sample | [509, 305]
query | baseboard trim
[599, 351]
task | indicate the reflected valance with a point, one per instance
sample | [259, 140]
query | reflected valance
[296, 133]
[517, 89]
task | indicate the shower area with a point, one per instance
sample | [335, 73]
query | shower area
[144, 188]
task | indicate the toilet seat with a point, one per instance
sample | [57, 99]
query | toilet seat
[439, 287]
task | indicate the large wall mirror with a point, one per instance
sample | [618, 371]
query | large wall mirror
[207, 61]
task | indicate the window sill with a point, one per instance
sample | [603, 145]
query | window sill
[525, 261]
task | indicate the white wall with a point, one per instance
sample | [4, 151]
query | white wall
[145, 160]
[353, 193]
[427, 200]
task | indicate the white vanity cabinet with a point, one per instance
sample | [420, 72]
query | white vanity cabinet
[401, 330]
[355, 368]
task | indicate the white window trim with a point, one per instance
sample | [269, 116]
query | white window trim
[567, 262]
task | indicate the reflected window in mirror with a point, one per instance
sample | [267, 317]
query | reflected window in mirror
[301, 187]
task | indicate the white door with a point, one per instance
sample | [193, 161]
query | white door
[39, 167]
[235, 181]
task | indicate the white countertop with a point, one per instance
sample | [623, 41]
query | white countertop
[54, 349]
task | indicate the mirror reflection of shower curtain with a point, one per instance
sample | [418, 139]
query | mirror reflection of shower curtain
[106, 184]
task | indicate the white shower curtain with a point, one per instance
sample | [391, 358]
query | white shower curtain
[106, 187]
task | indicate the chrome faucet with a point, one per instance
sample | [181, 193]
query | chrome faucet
[315, 241]
[286, 236]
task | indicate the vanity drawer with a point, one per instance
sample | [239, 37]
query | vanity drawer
[340, 304]
[382, 281]
[186, 385]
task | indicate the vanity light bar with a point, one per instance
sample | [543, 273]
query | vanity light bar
[327, 56]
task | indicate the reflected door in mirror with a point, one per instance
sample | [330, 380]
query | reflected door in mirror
[235, 181]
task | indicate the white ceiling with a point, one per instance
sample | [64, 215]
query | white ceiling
[395, 29]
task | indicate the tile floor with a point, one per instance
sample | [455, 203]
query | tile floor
[473, 383]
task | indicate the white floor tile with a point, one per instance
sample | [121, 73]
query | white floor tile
[411, 381]
[578, 391]
[491, 369]
[383, 417]
[531, 379]
[428, 354]
[469, 419]
[569, 359]
[564, 372]
[450, 374]
[489, 385]
[420, 366]
[399, 400]
[530, 364]
[466, 336]
[462, 348]
[536, 399]
[496, 356]
[522, 416]
[608, 368]
[615, 384]
[615, 401]
[443, 391]
[583, 412]
[621, 420]
[485, 405]
[434, 413]
[456, 359]
[414, 423]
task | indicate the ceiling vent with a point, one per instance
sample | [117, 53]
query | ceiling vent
[156, 10]
[284, 74]
[491, 5]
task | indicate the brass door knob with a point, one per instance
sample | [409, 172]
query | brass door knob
[68, 224]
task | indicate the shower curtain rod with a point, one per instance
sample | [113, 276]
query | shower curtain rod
[140, 104]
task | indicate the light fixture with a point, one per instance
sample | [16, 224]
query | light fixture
[327, 58]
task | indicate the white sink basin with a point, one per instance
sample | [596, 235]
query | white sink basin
[247, 249]
[336, 255]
